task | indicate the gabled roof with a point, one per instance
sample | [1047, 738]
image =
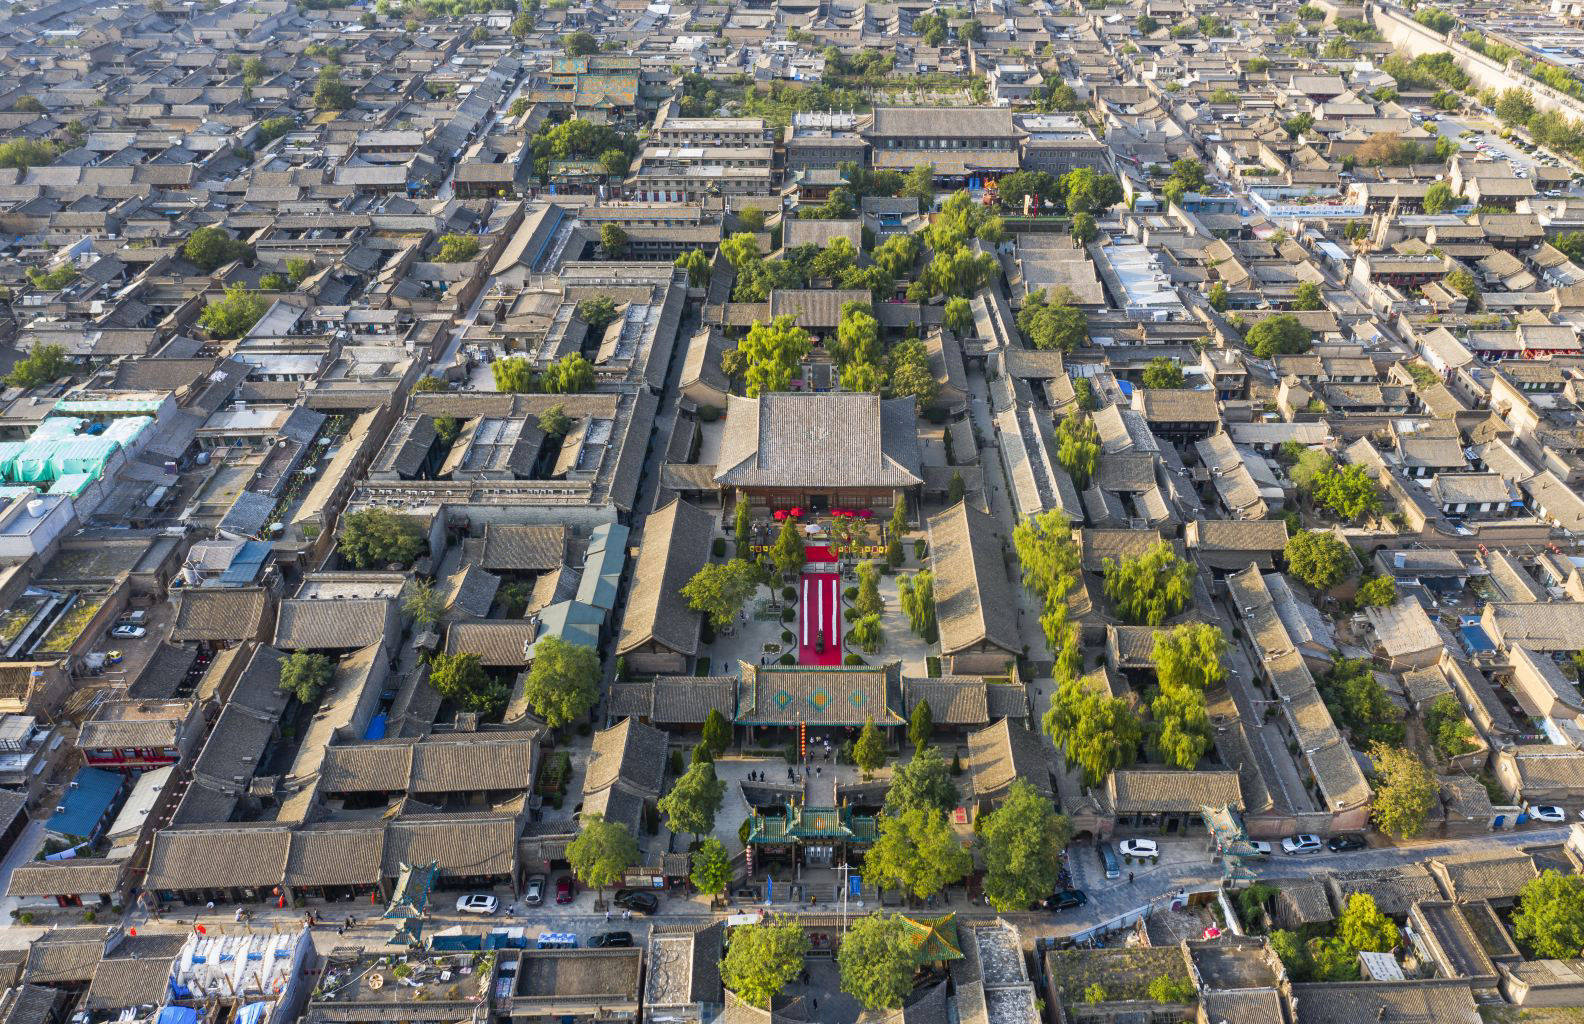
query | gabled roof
[974, 602]
[827, 439]
[218, 613]
[676, 545]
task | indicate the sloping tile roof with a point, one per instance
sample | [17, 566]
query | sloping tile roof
[129, 982]
[1497, 876]
[827, 439]
[218, 857]
[1003, 752]
[513, 548]
[216, 613]
[683, 700]
[974, 602]
[958, 700]
[463, 846]
[786, 695]
[676, 545]
[499, 643]
[81, 876]
[336, 854]
[309, 625]
[628, 752]
[1149, 791]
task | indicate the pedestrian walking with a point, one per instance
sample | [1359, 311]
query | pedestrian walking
[607, 913]
[1130, 878]
[626, 915]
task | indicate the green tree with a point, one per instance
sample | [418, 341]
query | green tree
[272, 128]
[693, 800]
[460, 678]
[1318, 558]
[1363, 927]
[1097, 733]
[1549, 918]
[373, 537]
[717, 732]
[298, 270]
[866, 633]
[1332, 960]
[1308, 297]
[273, 282]
[563, 683]
[1078, 447]
[768, 357]
[1190, 656]
[1377, 592]
[1448, 727]
[1182, 734]
[720, 590]
[787, 552]
[762, 958]
[1151, 588]
[514, 375]
[742, 527]
[1218, 297]
[877, 961]
[1052, 322]
[1405, 791]
[421, 602]
[957, 317]
[1278, 335]
[571, 374]
[554, 421]
[1084, 228]
[917, 850]
[1164, 989]
[868, 601]
[955, 489]
[1298, 124]
[1021, 844]
[1439, 198]
[21, 154]
[522, 26]
[1290, 950]
[209, 248]
[924, 780]
[1357, 701]
[304, 675]
[1162, 372]
[869, 753]
[1014, 187]
[921, 725]
[1146, 25]
[45, 364]
[613, 240]
[712, 869]
[1462, 281]
[602, 852]
[1348, 492]
[234, 314]
[579, 44]
[330, 93]
[697, 265]
[455, 248]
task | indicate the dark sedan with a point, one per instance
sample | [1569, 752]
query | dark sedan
[1066, 899]
[1345, 842]
[637, 901]
[611, 940]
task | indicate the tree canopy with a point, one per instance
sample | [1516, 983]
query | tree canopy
[1405, 791]
[209, 248]
[1549, 918]
[694, 798]
[1151, 588]
[45, 364]
[234, 314]
[720, 590]
[461, 678]
[925, 780]
[768, 357]
[563, 683]
[304, 675]
[375, 537]
[919, 851]
[1021, 843]
[761, 958]
[1278, 335]
[1051, 321]
[712, 870]
[602, 851]
[1319, 558]
[877, 961]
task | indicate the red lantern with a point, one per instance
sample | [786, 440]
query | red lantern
[200, 929]
[132, 932]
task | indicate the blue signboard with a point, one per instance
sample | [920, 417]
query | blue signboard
[855, 885]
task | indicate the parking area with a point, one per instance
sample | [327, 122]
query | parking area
[125, 656]
[1481, 136]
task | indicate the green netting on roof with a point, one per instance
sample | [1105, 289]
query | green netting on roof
[84, 455]
[56, 428]
[109, 406]
[73, 483]
[35, 463]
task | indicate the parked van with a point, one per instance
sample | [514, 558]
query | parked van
[1109, 860]
[557, 940]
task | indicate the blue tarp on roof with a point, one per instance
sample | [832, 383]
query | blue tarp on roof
[246, 565]
[86, 803]
[376, 727]
[179, 1015]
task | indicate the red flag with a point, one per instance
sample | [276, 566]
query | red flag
[200, 929]
[132, 932]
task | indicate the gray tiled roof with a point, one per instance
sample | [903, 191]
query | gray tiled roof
[1002, 753]
[974, 602]
[515, 548]
[676, 545]
[1152, 791]
[829, 439]
[499, 643]
[218, 613]
[307, 625]
[628, 752]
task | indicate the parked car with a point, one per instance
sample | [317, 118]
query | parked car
[125, 632]
[1304, 843]
[1345, 842]
[637, 900]
[566, 891]
[1066, 899]
[1548, 813]
[533, 895]
[1109, 860]
[1260, 847]
[1143, 849]
[611, 940]
[477, 903]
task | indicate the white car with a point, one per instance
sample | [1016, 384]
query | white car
[125, 632]
[1301, 844]
[1141, 848]
[477, 903]
[1260, 847]
[1546, 812]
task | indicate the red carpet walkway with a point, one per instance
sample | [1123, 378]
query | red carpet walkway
[819, 608]
[819, 553]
